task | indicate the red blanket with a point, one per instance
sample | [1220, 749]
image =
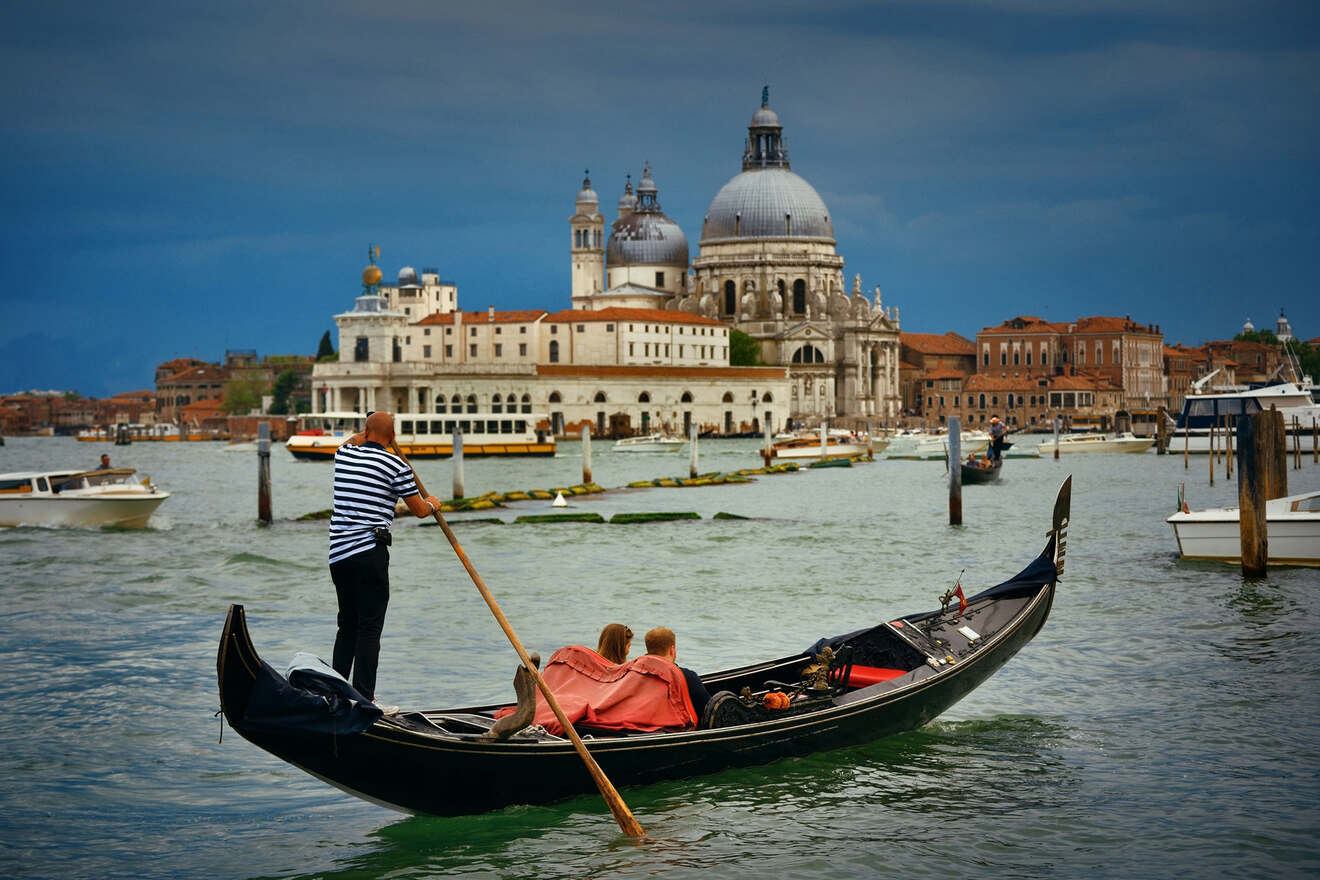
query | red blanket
[645, 694]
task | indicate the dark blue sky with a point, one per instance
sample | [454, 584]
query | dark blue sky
[180, 181]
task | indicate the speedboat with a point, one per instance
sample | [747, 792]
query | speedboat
[838, 444]
[1292, 527]
[650, 443]
[1124, 441]
[106, 497]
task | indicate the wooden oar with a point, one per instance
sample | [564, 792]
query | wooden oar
[627, 823]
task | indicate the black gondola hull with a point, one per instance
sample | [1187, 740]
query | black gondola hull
[395, 765]
[980, 474]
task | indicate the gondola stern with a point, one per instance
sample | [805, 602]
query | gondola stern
[236, 665]
[1057, 546]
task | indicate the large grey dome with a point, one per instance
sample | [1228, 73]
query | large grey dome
[767, 203]
[646, 236]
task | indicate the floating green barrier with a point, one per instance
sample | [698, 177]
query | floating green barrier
[723, 515]
[561, 518]
[314, 515]
[666, 516]
[831, 463]
[541, 494]
[517, 496]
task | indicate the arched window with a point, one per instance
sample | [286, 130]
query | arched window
[456, 404]
[728, 397]
[554, 351]
[994, 400]
[730, 298]
[644, 397]
[577, 238]
[441, 403]
[1017, 357]
[554, 397]
[599, 398]
[782, 289]
[767, 398]
[472, 403]
[687, 397]
[799, 297]
[526, 402]
[496, 404]
[808, 354]
[982, 406]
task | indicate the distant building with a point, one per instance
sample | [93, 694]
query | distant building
[931, 361]
[183, 381]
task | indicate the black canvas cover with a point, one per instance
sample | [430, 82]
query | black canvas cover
[313, 699]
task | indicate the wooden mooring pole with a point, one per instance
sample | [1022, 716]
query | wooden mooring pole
[765, 450]
[955, 471]
[1211, 456]
[1187, 433]
[459, 490]
[1162, 433]
[1253, 471]
[586, 454]
[1277, 486]
[1229, 423]
[870, 444]
[1056, 444]
[263, 473]
[1297, 443]
[1315, 441]
[692, 459]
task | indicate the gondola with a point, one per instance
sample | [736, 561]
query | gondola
[973, 474]
[849, 689]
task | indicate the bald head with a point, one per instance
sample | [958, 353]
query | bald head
[380, 428]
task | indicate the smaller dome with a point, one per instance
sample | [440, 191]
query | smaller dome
[765, 118]
[407, 275]
[1248, 327]
[628, 200]
[587, 194]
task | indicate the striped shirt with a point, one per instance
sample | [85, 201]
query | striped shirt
[368, 481]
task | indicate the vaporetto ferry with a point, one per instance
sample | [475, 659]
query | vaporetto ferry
[420, 435]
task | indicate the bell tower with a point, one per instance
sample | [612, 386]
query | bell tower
[588, 245]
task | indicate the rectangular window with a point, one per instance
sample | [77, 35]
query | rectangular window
[499, 349]
[361, 349]
[630, 350]
[426, 351]
[423, 427]
[449, 331]
[1028, 357]
[609, 328]
[554, 328]
[426, 331]
[449, 351]
[522, 330]
[506, 426]
[472, 331]
[582, 328]
[666, 351]
[680, 351]
[522, 349]
[1003, 357]
[499, 330]
[473, 349]
[407, 340]
[659, 279]
[407, 426]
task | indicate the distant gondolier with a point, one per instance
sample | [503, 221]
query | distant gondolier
[368, 481]
[997, 431]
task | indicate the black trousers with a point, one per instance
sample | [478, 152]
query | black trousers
[362, 582]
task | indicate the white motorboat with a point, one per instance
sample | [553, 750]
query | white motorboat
[1292, 527]
[935, 447]
[650, 443]
[1201, 412]
[806, 445]
[1124, 441]
[106, 497]
[422, 435]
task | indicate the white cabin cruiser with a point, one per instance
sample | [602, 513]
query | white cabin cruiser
[650, 443]
[935, 447]
[105, 497]
[1124, 441]
[1201, 412]
[1292, 527]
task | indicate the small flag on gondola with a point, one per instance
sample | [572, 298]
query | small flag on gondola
[962, 600]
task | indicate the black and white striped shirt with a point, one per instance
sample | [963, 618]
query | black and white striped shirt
[368, 480]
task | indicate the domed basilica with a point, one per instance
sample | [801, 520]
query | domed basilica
[766, 264]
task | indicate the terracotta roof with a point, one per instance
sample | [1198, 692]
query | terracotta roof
[192, 373]
[644, 371]
[982, 382]
[1030, 324]
[904, 365]
[1107, 324]
[944, 373]
[932, 343]
[201, 407]
[667, 316]
[524, 316]
[1083, 382]
[140, 394]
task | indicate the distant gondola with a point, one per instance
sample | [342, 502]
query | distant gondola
[976, 474]
[888, 678]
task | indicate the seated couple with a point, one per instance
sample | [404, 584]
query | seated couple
[606, 692]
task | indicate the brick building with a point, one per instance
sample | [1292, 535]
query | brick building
[931, 358]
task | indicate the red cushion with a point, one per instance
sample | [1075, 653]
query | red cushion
[864, 675]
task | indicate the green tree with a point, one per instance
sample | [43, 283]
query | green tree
[326, 350]
[72, 395]
[282, 390]
[242, 396]
[744, 351]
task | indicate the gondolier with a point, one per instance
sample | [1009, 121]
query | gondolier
[997, 431]
[368, 481]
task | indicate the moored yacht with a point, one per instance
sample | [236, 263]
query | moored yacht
[931, 447]
[1124, 441]
[105, 497]
[650, 443]
[1201, 412]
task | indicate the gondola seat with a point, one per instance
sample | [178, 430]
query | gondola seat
[862, 676]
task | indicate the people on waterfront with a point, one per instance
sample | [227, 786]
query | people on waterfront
[105, 463]
[368, 480]
[661, 642]
[997, 431]
[615, 642]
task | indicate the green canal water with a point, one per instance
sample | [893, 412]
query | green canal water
[1164, 723]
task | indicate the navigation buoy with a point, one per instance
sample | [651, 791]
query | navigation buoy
[559, 500]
